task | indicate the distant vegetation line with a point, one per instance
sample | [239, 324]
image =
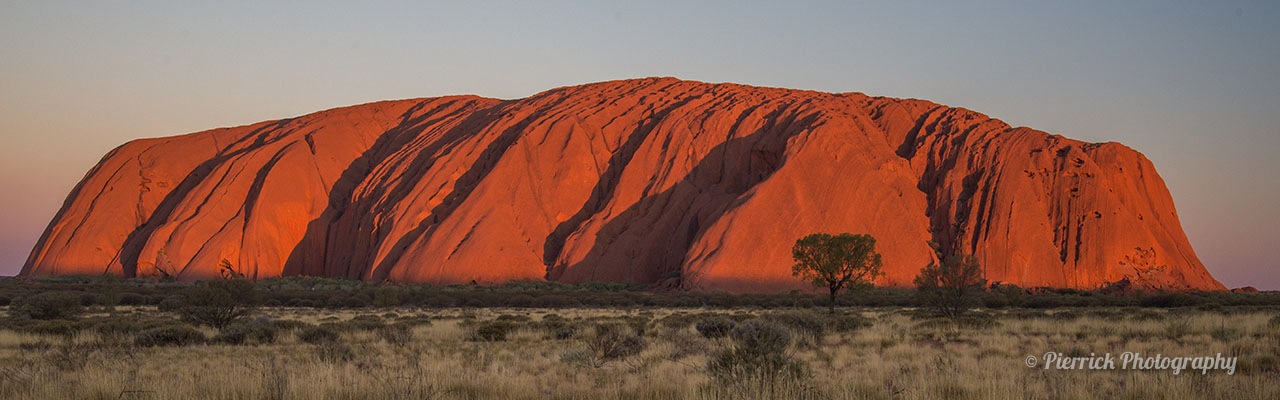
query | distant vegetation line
[344, 294]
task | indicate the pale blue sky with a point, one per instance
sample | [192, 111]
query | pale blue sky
[1192, 85]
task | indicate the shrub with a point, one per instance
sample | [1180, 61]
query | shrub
[396, 334]
[566, 333]
[1224, 333]
[554, 301]
[219, 303]
[121, 326]
[289, 324]
[610, 342]
[48, 305]
[495, 331]
[1169, 300]
[1177, 328]
[358, 301]
[365, 323]
[414, 320]
[847, 323]
[807, 323]
[758, 356]
[318, 335]
[440, 301]
[132, 299]
[950, 287]
[52, 327]
[172, 335]
[387, 296]
[240, 332]
[677, 320]
[171, 304]
[761, 338]
[715, 328]
[334, 351]
[639, 324]
[512, 318]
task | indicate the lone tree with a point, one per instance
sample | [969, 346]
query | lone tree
[952, 286]
[837, 262]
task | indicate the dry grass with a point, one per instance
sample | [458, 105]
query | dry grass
[898, 357]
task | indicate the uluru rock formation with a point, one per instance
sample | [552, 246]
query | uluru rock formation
[656, 181]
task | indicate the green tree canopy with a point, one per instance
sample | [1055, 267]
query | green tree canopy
[836, 261]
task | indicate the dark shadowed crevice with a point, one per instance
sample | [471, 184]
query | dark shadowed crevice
[604, 187]
[134, 242]
[311, 257]
[907, 149]
[464, 185]
[716, 184]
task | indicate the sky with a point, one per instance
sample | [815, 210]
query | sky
[1193, 85]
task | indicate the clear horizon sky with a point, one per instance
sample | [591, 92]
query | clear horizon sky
[1194, 86]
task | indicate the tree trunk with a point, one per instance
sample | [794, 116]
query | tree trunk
[832, 310]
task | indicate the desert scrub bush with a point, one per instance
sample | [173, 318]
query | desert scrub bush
[566, 333]
[493, 331]
[1146, 315]
[413, 320]
[676, 320]
[553, 322]
[1274, 322]
[807, 323]
[289, 324]
[397, 334]
[715, 328]
[846, 323]
[639, 324]
[1170, 300]
[812, 325]
[365, 323]
[387, 296]
[512, 318]
[683, 344]
[334, 352]
[318, 335]
[124, 325]
[48, 305]
[172, 335]
[967, 321]
[1004, 295]
[609, 342]
[170, 304]
[50, 327]
[218, 303]
[757, 361]
[239, 333]
[952, 286]
[1177, 328]
[558, 327]
[1224, 333]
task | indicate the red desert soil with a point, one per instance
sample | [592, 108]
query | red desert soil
[657, 181]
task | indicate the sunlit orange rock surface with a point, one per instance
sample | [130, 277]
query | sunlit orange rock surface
[657, 181]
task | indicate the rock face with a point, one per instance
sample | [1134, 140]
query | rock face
[657, 181]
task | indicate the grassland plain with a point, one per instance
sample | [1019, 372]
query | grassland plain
[660, 353]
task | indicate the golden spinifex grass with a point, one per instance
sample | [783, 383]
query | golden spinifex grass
[900, 355]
